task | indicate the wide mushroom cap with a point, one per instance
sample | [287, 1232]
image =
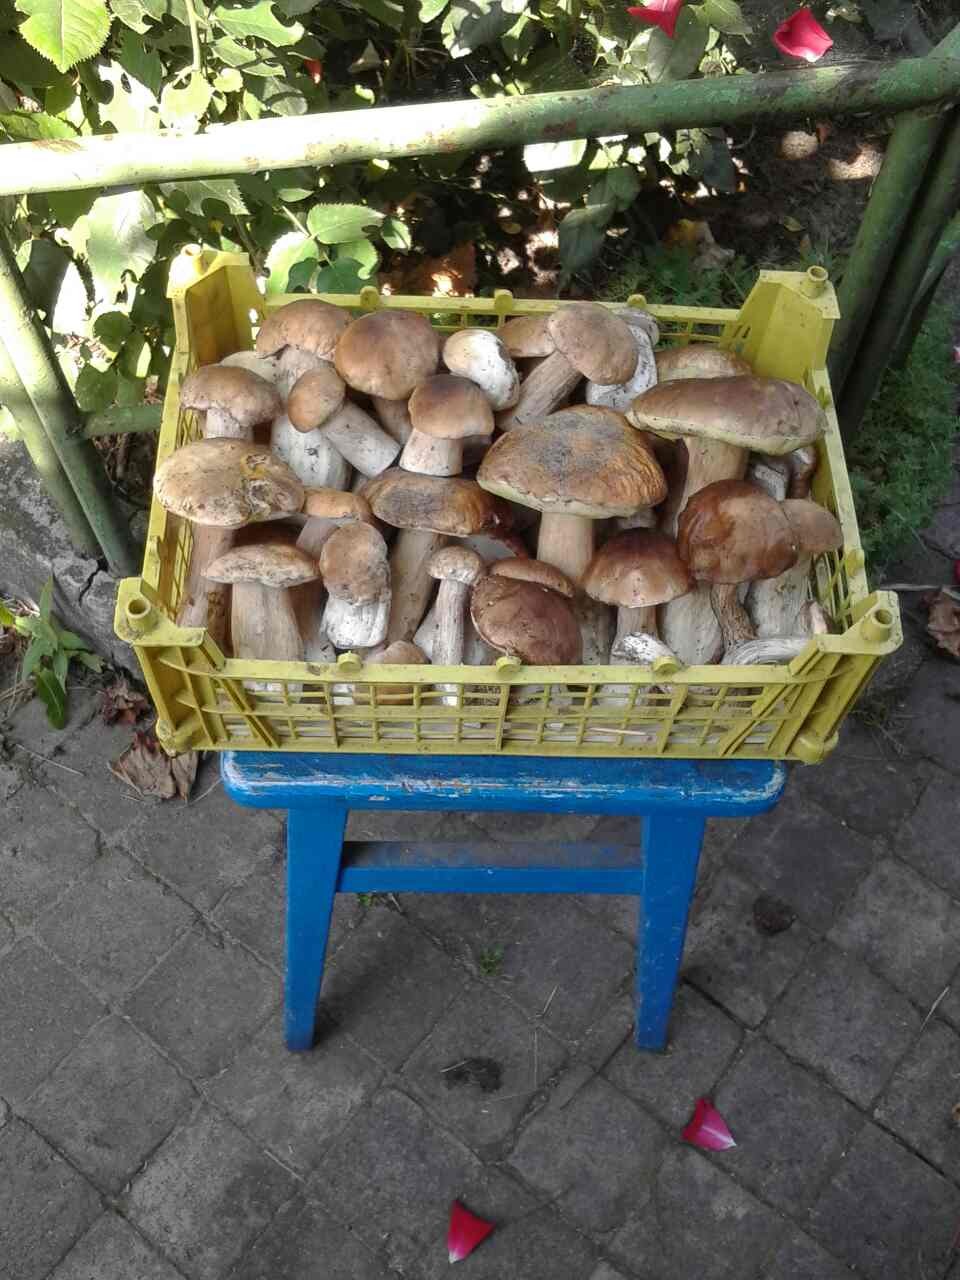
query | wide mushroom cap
[528, 336]
[246, 397]
[449, 407]
[532, 622]
[353, 563]
[768, 415]
[334, 504]
[596, 341]
[386, 353]
[731, 531]
[525, 569]
[816, 529]
[636, 569]
[439, 504]
[273, 564]
[309, 324]
[700, 360]
[582, 461]
[315, 397]
[227, 483]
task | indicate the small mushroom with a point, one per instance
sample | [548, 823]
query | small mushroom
[457, 569]
[620, 395]
[233, 400]
[637, 570]
[803, 467]
[314, 406]
[326, 511]
[399, 654]
[776, 604]
[531, 622]
[386, 353]
[523, 569]
[445, 411]
[315, 397]
[301, 335]
[355, 572]
[478, 354]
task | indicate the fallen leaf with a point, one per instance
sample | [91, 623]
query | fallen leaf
[465, 1233]
[708, 1129]
[801, 36]
[944, 623]
[120, 703]
[147, 768]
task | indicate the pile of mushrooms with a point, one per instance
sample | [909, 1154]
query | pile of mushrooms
[557, 491]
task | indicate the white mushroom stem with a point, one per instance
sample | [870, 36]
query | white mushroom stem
[752, 653]
[776, 604]
[308, 601]
[544, 389]
[621, 395]
[596, 629]
[642, 620]
[315, 532]
[431, 456]
[689, 627]
[357, 626]
[263, 625]
[642, 518]
[411, 581]
[310, 454]
[566, 542]
[451, 607]
[707, 461]
[476, 651]
[640, 649]
[772, 475]
[732, 618]
[219, 424]
[356, 436]
[803, 466]
[394, 418]
[265, 367]
[205, 603]
[814, 619]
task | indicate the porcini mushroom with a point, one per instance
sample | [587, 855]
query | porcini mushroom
[457, 569]
[394, 416]
[803, 467]
[523, 569]
[637, 570]
[578, 465]
[226, 483]
[776, 604]
[232, 400]
[355, 572]
[620, 395]
[317, 403]
[478, 354]
[531, 622]
[386, 353]
[445, 410]
[527, 337]
[301, 335]
[700, 360]
[326, 510]
[265, 367]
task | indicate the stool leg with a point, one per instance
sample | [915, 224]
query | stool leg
[314, 846]
[670, 855]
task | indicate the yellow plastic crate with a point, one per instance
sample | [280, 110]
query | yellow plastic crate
[793, 711]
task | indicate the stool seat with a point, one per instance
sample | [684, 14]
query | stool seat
[669, 800]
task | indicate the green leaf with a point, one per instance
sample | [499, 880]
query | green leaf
[44, 265]
[228, 80]
[141, 62]
[60, 664]
[258, 22]
[430, 9]
[131, 106]
[192, 196]
[470, 24]
[132, 14]
[396, 233]
[300, 278]
[725, 15]
[91, 661]
[7, 618]
[581, 237]
[69, 639]
[60, 96]
[65, 31]
[185, 107]
[112, 328]
[293, 195]
[618, 186]
[29, 126]
[338, 223]
[284, 253]
[117, 240]
[343, 276]
[279, 96]
[95, 388]
[389, 12]
[678, 58]
[24, 67]
[542, 157]
[236, 55]
[53, 695]
[363, 252]
[45, 603]
[68, 206]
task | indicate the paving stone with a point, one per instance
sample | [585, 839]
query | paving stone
[302, 1241]
[11, 780]
[109, 1102]
[114, 924]
[112, 1250]
[44, 846]
[390, 1177]
[43, 1012]
[729, 959]
[44, 1204]
[928, 838]
[591, 1156]
[790, 1128]
[538, 1247]
[904, 928]
[29, 724]
[403, 824]
[800, 1258]
[6, 933]
[845, 1022]
[803, 854]
[606, 1272]
[693, 1220]
[551, 951]
[886, 1213]
[616, 910]
[295, 1103]
[206, 1194]
[482, 1027]
[702, 1042]
[386, 987]
[926, 720]
[205, 848]
[203, 1001]
[543, 827]
[918, 1102]
[599, 1043]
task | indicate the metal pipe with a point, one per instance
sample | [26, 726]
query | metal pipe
[435, 128]
[36, 367]
[933, 210]
[13, 396]
[908, 155]
[948, 245]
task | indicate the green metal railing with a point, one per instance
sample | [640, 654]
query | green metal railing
[902, 236]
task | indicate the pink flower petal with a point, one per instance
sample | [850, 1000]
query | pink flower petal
[466, 1232]
[708, 1129]
[801, 36]
[661, 13]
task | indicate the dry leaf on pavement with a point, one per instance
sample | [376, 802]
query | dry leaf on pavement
[120, 703]
[147, 768]
[944, 622]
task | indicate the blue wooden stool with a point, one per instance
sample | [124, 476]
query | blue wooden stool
[669, 799]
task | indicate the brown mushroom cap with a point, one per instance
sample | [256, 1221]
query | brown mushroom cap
[699, 360]
[402, 653]
[526, 336]
[273, 564]
[450, 408]
[334, 504]
[247, 397]
[386, 353]
[536, 624]
[816, 529]
[353, 563]
[731, 531]
[582, 461]
[525, 569]
[768, 415]
[636, 569]
[227, 483]
[595, 341]
[315, 397]
[308, 324]
[440, 504]
[456, 562]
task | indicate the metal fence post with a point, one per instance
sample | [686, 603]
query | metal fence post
[949, 245]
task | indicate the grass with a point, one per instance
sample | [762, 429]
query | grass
[490, 961]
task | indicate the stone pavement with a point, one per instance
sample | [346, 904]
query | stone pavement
[152, 1127]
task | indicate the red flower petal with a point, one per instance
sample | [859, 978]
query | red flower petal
[801, 36]
[314, 69]
[708, 1129]
[466, 1232]
[661, 13]
[956, 571]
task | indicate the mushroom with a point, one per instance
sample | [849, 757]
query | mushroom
[226, 483]
[326, 510]
[355, 572]
[457, 569]
[523, 569]
[776, 605]
[401, 654]
[310, 454]
[445, 411]
[265, 367]
[490, 547]
[317, 403]
[700, 360]
[637, 570]
[233, 400]
[526, 619]
[620, 395]
[386, 353]
[637, 318]
[394, 417]
[589, 342]
[772, 475]
[478, 354]
[803, 466]
[732, 532]
[527, 337]
[578, 465]
[302, 335]
[427, 510]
